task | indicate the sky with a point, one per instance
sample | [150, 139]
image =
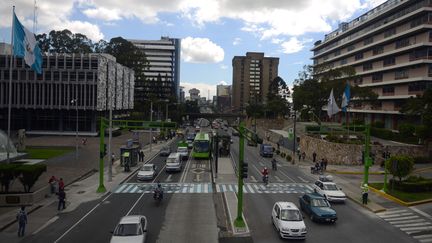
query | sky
[212, 31]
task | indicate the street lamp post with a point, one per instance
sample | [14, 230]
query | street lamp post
[151, 119]
[75, 101]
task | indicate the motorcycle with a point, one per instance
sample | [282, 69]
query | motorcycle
[265, 179]
[158, 195]
[316, 170]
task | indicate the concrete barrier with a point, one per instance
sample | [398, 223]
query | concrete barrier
[18, 199]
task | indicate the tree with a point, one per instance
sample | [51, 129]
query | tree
[400, 166]
[421, 106]
[277, 104]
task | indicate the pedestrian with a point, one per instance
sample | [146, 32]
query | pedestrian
[325, 163]
[22, 221]
[278, 145]
[53, 184]
[299, 155]
[365, 194]
[314, 157]
[61, 184]
[303, 156]
[112, 158]
[322, 164]
[62, 198]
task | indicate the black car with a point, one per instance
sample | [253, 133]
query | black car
[165, 151]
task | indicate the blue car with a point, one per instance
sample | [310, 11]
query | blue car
[317, 207]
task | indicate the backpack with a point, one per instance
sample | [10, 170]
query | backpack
[22, 216]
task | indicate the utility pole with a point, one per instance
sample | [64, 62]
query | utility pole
[367, 158]
[151, 129]
[295, 138]
[110, 161]
[239, 222]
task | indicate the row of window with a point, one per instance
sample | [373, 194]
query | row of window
[423, 53]
[424, 19]
[51, 62]
[377, 24]
[28, 75]
[412, 87]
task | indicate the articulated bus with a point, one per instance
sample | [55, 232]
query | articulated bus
[201, 146]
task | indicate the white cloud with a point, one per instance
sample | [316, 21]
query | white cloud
[236, 41]
[102, 13]
[293, 45]
[201, 50]
[276, 41]
[204, 88]
[222, 83]
[223, 66]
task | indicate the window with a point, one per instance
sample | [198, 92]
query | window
[377, 77]
[388, 90]
[359, 56]
[368, 41]
[389, 32]
[401, 73]
[325, 57]
[388, 61]
[418, 54]
[337, 53]
[418, 86]
[343, 61]
[402, 43]
[350, 48]
[378, 50]
[367, 66]
[419, 20]
[430, 70]
[358, 81]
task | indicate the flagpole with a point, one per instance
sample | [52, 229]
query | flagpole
[10, 88]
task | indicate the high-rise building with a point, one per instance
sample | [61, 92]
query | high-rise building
[389, 48]
[182, 95]
[162, 76]
[72, 88]
[252, 75]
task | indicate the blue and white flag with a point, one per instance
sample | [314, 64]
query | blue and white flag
[26, 46]
[346, 97]
[332, 107]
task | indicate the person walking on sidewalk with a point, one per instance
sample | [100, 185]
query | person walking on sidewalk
[325, 163]
[61, 184]
[274, 164]
[62, 198]
[112, 158]
[53, 184]
[314, 155]
[22, 221]
[303, 156]
[365, 194]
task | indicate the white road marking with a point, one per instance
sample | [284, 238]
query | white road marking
[168, 179]
[402, 218]
[287, 176]
[422, 236]
[52, 220]
[417, 228]
[426, 241]
[303, 180]
[421, 212]
[120, 188]
[253, 179]
[278, 179]
[407, 221]
[395, 215]
[412, 225]
[392, 212]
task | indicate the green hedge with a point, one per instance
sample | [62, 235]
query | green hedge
[389, 135]
[412, 184]
[27, 174]
[312, 128]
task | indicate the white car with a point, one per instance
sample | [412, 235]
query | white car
[288, 221]
[147, 172]
[132, 228]
[183, 151]
[330, 191]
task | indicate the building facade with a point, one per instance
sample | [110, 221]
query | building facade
[223, 98]
[71, 87]
[390, 49]
[194, 94]
[252, 75]
[162, 76]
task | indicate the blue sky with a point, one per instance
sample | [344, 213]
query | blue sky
[212, 31]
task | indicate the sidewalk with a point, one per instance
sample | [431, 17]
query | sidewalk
[45, 212]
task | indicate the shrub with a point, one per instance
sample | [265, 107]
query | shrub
[283, 155]
[422, 132]
[412, 184]
[406, 130]
[400, 166]
[378, 124]
[288, 157]
[29, 174]
[311, 128]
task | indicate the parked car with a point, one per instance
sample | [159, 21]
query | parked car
[329, 191]
[165, 151]
[266, 150]
[317, 207]
[132, 228]
[288, 221]
[147, 172]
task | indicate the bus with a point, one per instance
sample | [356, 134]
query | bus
[201, 146]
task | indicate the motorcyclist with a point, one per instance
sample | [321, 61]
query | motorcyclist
[158, 192]
[274, 164]
[265, 174]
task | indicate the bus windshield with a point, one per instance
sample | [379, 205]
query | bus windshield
[201, 146]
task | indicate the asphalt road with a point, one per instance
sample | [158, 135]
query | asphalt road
[354, 224]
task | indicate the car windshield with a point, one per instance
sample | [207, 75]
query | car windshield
[171, 160]
[201, 146]
[147, 168]
[319, 203]
[290, 215]
[127, 230]
[330, 187]
[268, 149]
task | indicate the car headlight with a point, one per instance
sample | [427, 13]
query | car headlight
[285, 229]
[303, 229]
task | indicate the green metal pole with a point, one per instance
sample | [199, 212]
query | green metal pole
[368, 160]
[385, 179]
[239, 222]
[101, 187]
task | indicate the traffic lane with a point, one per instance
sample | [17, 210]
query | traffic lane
[354, 224]
[95, 227]
[198, 171]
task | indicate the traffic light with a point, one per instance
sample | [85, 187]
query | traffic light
[244, 171]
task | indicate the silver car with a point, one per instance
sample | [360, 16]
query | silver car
[147, 172]
[132, 228]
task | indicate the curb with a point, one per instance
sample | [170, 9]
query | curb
[365, 206]
[396, 200]
[354, 172]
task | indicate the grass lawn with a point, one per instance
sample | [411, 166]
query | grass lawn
[404, 196]
[46, 152]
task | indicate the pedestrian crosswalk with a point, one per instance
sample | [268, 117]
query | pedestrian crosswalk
[208, 188]
[409, 222]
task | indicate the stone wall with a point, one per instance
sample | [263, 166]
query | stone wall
[351, 154]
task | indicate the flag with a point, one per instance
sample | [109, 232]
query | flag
[346, 97]
[332, 107]
[26, 46]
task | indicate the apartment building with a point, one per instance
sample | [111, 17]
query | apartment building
[223, 97]
[72, 88]
[162, 76]
[390, 48]
[252, 75]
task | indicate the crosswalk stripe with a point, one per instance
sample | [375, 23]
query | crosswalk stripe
[410, 225]
[426, 241]
[120, 188]
[257, 188]
[422, 236]
[407, 221]
[402, 218]
[395, 215]
[417, 228]
[392, 212]
[199, 188]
